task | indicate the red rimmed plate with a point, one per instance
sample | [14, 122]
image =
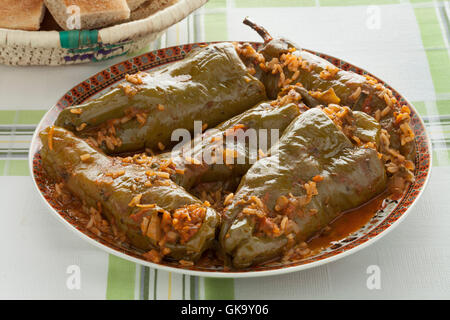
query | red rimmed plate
[383, 221]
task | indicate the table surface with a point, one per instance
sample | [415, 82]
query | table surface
[406, 43]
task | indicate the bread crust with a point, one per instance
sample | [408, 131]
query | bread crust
[93, 13]
[150, 7]
[135, 4]
[21, 15]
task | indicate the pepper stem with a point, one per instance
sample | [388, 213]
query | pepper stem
[261, 31]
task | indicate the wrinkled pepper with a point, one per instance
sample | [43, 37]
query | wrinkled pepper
[226, 152]
[210, 85]
[141, 203]
[327, 84]
[311, 176]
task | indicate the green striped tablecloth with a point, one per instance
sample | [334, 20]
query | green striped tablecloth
[404, 42]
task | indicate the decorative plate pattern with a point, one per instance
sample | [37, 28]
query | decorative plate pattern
[380, 224]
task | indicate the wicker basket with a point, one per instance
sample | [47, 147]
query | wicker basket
[80, 46]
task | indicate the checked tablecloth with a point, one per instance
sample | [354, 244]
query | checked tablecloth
[405, 43]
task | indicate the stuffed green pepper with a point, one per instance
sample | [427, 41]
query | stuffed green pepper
[210, 85]
[157, 216]
[311, 176]
[281, 63]
[230, 149]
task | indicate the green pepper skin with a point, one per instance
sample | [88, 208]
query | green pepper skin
[312, 145]
[262, 117]
[211, 84]
[367, 128]
[88, 181]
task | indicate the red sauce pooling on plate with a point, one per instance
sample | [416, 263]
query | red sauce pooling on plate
[347, 223]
